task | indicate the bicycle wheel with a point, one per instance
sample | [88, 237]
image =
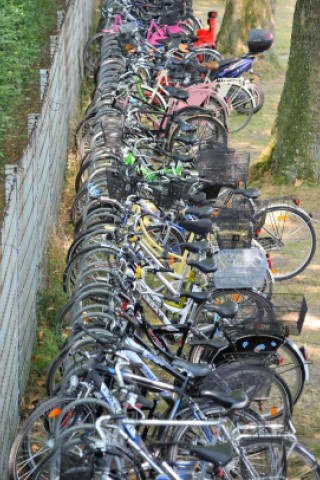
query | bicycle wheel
[278, 458]
[215, 106]
[241, 106]
[188, 435]
[289, 238]
[32, 443]
[207, 55]
[166, 236]
[252, 305]
[291, 368]
[258, 95]
[208, 130]
[72, 356]
[150, 96]
[268, 394]
[219, 108]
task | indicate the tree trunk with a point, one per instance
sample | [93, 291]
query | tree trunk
[239, 17]
[296, 154]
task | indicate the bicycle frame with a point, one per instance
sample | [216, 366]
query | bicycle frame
[157, 32]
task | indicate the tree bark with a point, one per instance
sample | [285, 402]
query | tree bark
[296, 154]
[239, 17]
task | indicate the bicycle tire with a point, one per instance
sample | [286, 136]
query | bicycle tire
[269, 395]
[207, 55]
[241, 106]
[291, 368]
[30, 448]
[258, 96]
[172, 240]
[190, 435]
[289, 363]
[283, 227]
[252, 305]
[298, 463]
[60, 361]
[208, 130]
[215, 107]
[90, 59]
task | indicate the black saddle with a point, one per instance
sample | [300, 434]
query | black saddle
[199, 227]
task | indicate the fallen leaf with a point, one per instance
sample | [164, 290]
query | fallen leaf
[298, 183]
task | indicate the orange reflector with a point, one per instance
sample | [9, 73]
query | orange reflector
[55, 412]
[281, 217]
[273, 411]
[236, 297]
[171, 260]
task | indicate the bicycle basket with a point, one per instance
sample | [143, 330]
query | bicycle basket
[223, 167]
[168, 195]
[290, 309]
[263, 328]
[240, 268]
[171, 15]
[258, 209]
[120, 185]
[220, 381]
[235, 229]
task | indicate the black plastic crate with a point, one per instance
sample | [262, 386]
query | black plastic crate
[290, 309]
[259, 40]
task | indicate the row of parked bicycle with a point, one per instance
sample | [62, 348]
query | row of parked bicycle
[175, 360]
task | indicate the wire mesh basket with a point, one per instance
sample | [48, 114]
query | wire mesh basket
[120, 184]
[263, 328]
[240, 268]
[171, 15]
[235, 229]
[290, 310]
[223, 167]
[169, 194]
[255, 208]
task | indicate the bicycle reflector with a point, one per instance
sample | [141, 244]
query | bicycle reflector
[297, 201]
[273, 411]
[54, 413]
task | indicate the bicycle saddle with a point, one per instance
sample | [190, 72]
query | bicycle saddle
[199, 227]
[182, 158]
[236, 399]
[177, 93]
[205, 266]
[248, 192]
[197, 198]
[196, 369]
[198, 297]
[200, 212]
[219, 455]
[186, 140]
[227, 309]
[195, 247]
